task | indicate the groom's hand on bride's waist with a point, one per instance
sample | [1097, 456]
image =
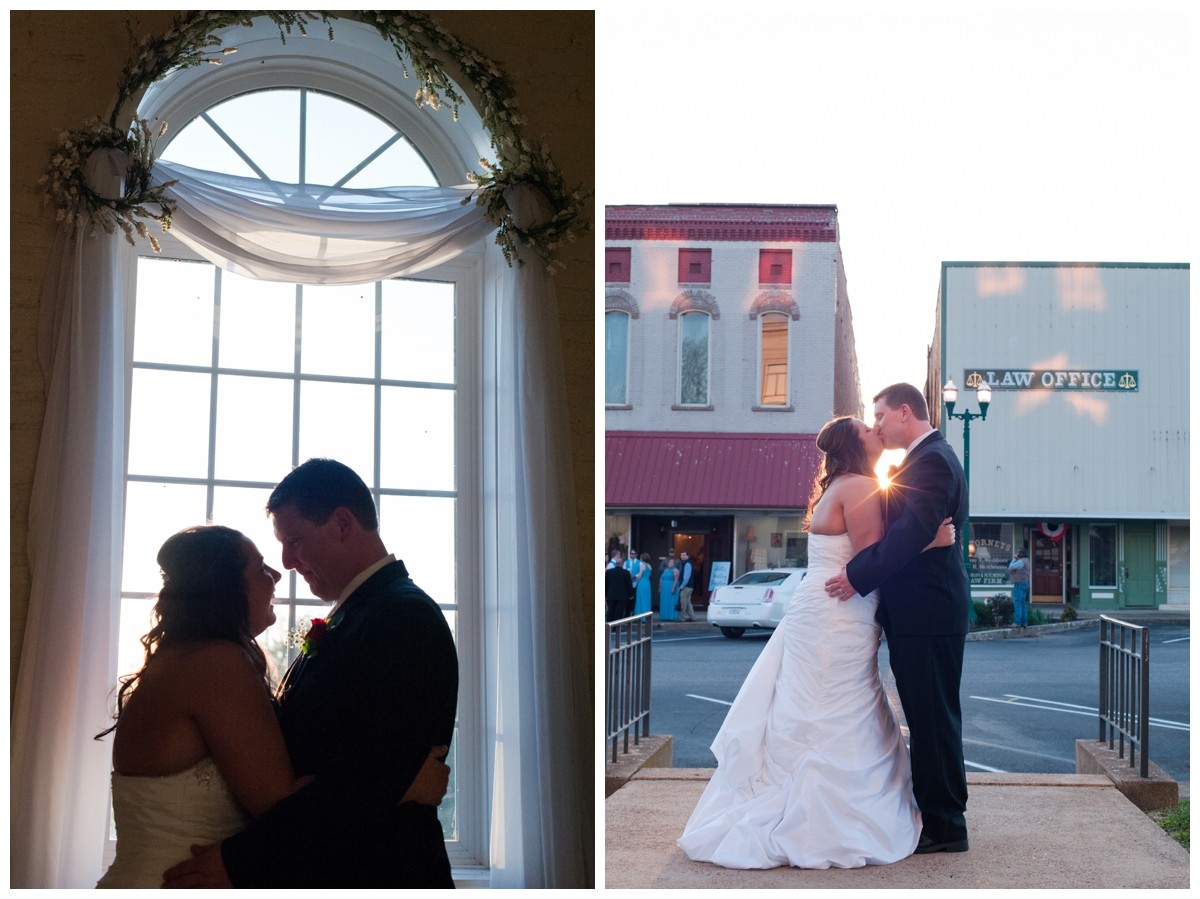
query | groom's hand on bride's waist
[204, 869]
[432, 781]
[839, 586]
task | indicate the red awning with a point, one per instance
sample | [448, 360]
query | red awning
[708, 471]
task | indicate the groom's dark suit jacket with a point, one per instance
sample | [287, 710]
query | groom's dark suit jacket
[361, 715]
[920, 592]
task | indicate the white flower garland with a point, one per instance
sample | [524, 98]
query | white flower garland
[418, 41]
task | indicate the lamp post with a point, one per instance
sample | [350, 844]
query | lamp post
[950, 396]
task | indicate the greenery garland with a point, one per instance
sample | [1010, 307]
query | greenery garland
[419, 43]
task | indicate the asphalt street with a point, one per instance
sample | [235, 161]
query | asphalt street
[1025, 701]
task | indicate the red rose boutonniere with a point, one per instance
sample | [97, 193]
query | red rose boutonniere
[316, 633]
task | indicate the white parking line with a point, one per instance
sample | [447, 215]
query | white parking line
[708, 699]
[1177, 640]
[990, 770]
[1049, 705]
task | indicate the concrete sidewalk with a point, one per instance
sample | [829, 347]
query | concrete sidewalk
[1065, 831]
[1044, 831]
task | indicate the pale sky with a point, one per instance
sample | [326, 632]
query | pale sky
[945, 135]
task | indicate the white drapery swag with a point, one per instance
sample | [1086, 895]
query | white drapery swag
[538, 703]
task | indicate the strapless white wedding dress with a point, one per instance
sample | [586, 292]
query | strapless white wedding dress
[812, 770]
[159, 819]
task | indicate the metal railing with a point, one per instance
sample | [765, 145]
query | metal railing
[627, 687]
[1125, 689]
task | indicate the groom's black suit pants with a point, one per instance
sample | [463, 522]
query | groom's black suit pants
[928, 669]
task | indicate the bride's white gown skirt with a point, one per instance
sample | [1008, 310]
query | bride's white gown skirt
[812, 770]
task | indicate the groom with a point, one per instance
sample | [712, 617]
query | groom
[360, 710]
[923, 608]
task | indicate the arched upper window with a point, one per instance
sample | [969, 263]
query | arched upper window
[773, 359]
[616, 357]
[694, 359]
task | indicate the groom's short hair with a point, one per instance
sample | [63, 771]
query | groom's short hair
[899, 394]
[319, 486]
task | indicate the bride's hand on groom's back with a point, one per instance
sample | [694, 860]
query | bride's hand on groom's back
[430, 785]
[944, 537]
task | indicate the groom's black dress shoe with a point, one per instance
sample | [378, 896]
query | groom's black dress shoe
[925, 845]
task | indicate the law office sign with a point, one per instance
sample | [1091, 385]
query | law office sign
[1121, 380]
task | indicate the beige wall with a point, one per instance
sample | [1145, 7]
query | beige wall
[64, 69]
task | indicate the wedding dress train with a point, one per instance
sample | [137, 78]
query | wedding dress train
[158, 820]
[812, 770]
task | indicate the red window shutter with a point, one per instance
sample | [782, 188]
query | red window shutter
[616, 265]
[774, 266]
[695, 266]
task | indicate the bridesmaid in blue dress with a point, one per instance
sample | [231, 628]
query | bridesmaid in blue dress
[641, 584]
[668, 593]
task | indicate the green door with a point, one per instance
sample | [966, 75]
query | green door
[1136, 572]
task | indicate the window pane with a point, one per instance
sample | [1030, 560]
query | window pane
[254, 428]
[616, 356]
[417, 443]
[1179, 557]
[198, 145]
[265, 125]
[1102, 541]
[153, 512]
[136, 620]
[174, 320]
[337, 421]
[418, 331]
[274, 639]
[420, 531]
[400, 165]
[339, 331]
[330, 156]
[774, 359]
[257, 331]
[994, 549]
[244, 509]
[168, 423]
[694, 359]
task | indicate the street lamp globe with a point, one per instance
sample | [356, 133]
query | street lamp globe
[984, 396]
[950, 395]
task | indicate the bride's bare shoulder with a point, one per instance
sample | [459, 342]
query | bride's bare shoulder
[853, 484]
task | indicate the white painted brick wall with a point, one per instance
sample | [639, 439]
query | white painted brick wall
[733, 340]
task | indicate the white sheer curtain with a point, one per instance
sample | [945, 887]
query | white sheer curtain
[541, 830]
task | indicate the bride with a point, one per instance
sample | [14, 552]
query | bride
[812, 770]
[198, 751]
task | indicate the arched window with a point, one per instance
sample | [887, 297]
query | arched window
[773, 359]
[693, 359]
[616, 357]
[235, 380]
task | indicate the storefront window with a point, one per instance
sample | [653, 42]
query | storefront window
[1102, 570]
[993, 542]
[1179, 556]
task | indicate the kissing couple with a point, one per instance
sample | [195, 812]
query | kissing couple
[812, 768]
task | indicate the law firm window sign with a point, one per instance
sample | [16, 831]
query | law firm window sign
[1118, 380]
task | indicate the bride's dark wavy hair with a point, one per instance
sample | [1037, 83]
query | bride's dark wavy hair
[203, 597]
[842, 452]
